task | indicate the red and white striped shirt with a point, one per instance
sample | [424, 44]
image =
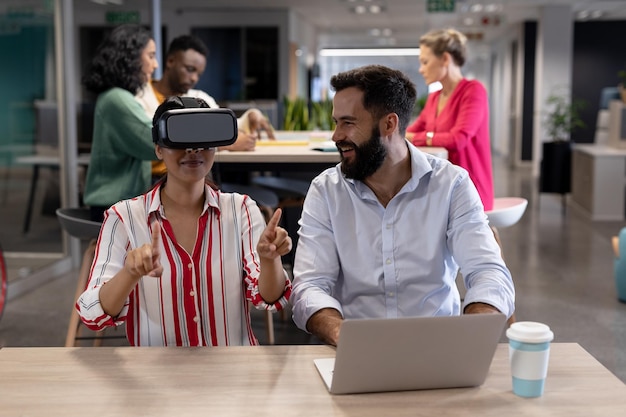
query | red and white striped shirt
[202, 298]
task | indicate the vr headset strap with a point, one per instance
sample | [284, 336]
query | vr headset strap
[189, 102]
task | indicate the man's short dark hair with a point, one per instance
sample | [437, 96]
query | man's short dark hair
[385, 91]
[185, 42]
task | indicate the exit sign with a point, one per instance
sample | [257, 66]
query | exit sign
[433, 6]
[118, 18]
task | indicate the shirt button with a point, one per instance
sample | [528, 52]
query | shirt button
[196, 319]
[388, 261]
[388, 226]
[190, 265]
[192, 293]
[390, 294]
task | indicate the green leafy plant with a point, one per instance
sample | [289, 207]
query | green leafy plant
[296, 113]
[298, 116]
[562, 116]
[419, 105]
[322, 115]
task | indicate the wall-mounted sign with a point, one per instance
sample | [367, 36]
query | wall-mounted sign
[118, 18]
[436, 6]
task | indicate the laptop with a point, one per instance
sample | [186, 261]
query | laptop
[377, 355]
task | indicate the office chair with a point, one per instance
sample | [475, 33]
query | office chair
[506, 212]
[77, 223]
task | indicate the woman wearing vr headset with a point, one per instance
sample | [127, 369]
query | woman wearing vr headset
[181, 263]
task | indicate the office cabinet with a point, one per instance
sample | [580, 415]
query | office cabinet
[599, 181]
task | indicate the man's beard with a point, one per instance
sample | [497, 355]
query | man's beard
[368, 157]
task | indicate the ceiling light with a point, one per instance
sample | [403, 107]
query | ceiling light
[387, 32]
[370, 52]
[375, 32]
[375, 9]
[360, 9]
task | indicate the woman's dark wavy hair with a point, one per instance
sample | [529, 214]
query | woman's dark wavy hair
[117, 62]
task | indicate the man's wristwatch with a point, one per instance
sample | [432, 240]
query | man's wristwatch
[429, 138]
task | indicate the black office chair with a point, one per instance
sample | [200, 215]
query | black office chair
[291, 193]
[286, 188]
[77, 222]
[265, 199]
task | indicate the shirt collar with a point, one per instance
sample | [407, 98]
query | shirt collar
[210, 199]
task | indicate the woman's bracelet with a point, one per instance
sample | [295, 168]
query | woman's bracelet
[429, 138]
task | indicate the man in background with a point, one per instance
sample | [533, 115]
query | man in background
[185, 63]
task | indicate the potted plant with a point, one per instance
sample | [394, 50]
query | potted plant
[322, 115]
[561, 118]
[299, 114]
[296, 114]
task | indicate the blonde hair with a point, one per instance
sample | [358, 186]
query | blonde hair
[447, 40]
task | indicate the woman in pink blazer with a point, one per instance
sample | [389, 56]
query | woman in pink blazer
[457, 116]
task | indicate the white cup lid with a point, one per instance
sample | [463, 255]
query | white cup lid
[530, 332]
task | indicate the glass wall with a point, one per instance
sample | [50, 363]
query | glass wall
[29, 194]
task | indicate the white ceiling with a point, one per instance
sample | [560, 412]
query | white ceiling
[407, 19]
[339, 26]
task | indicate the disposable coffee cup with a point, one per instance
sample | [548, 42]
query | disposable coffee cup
[529, 353]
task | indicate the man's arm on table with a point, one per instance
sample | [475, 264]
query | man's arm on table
[325, 324]
[244, 142]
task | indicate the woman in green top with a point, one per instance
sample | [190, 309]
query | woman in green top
[122, 145]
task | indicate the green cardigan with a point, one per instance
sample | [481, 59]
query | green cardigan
[121, 150]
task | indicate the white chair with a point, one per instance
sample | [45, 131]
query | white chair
[506, 211]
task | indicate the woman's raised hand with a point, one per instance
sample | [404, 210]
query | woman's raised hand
[145, 260]
[275, 240]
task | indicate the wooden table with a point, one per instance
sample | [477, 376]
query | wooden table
[285, 157]
[271, 381]
[282, 157]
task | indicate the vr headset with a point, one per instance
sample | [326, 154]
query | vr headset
[192, 128]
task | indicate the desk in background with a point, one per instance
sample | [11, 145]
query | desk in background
[274, 380]
[38, 161]
[287, 158]
[266, 157]
[599, 182]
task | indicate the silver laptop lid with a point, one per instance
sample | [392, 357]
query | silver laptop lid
[376, 355]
